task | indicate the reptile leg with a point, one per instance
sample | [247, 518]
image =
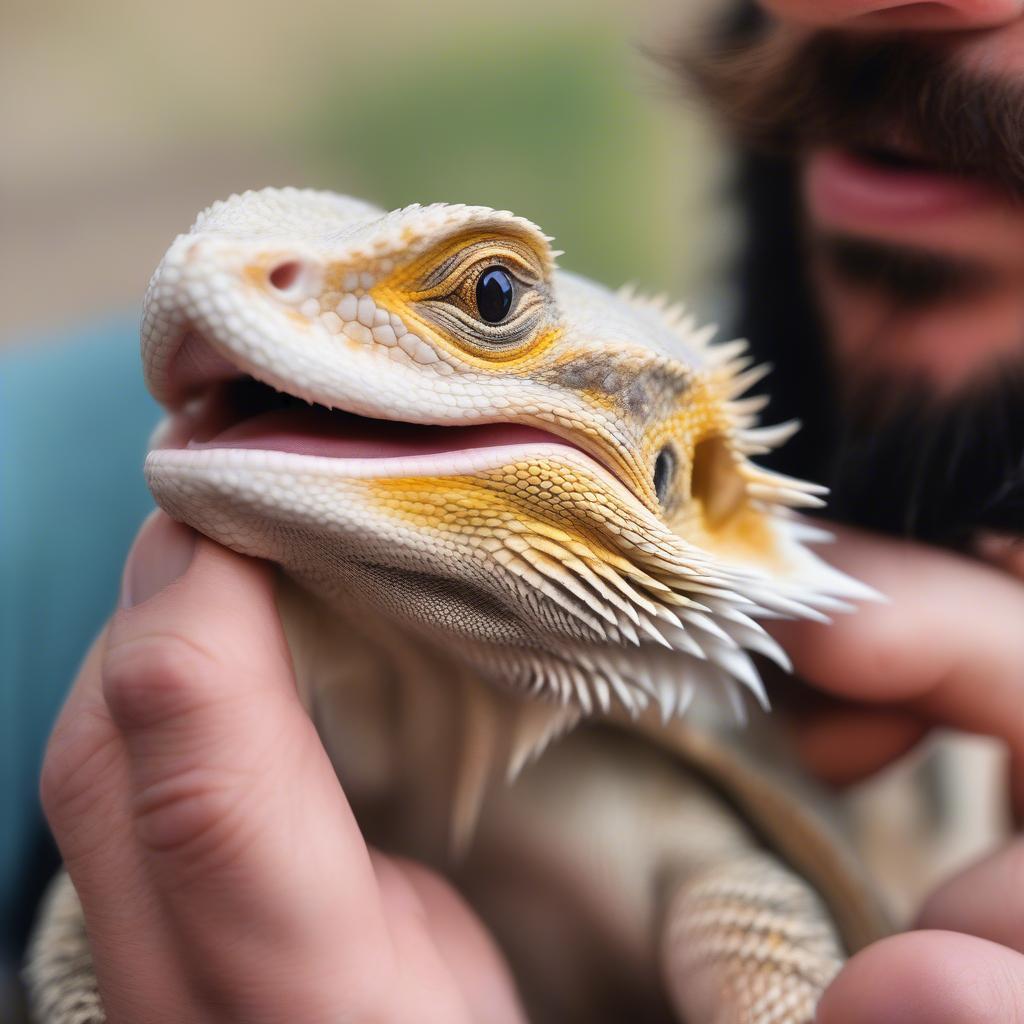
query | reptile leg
[746, 941]
[59, 973]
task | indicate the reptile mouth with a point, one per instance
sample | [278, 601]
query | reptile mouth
[221, 406]
[246, 413]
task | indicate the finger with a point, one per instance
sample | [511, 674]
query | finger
[847, 743]
[927, 978]
[948, 643]
[469, 953]
[983, 900]
[246, 834]
[84, 779]
[86, 795]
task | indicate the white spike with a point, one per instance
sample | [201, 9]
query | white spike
[540, 582]
[756, 474]
[558, 573]
[759, 641]
[626, 627]
[738, 664]
[708, 625]
[702, 338]
[789, 607]
[742, 382]
[601, 691]
[686, 696]
[648, 627]
[584, 695]
[622, 691]
[774, 436]
[725, 351]
[668, 695]
[735, 695]
[683, 640]
[576, 565]
[566, 687]
[667, 615]
[744, 407]
[537, 725]
[784, 496]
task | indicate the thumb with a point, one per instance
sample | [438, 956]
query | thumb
[247, 835]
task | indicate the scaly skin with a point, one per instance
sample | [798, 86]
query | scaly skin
[603, 552]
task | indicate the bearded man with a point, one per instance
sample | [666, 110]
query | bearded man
[885, 278]
[881, 173]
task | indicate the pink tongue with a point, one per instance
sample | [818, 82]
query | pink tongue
[340, 436]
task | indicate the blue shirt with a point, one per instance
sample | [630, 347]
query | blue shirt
[74, 421]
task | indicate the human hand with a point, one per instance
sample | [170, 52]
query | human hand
[962, 964]
[221, 872]
[948, 648]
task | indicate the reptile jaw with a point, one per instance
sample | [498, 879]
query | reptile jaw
[245, 414]
[229, 410]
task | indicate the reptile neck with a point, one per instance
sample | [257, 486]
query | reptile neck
[417, 736]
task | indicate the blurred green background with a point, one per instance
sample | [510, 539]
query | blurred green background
[122, 118]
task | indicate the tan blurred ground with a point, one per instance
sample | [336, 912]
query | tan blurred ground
[121, 118]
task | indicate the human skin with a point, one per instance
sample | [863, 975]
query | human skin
[222, 874]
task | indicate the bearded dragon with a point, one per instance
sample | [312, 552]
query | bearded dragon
[519, 530]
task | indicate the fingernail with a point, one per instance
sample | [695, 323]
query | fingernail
[161, 553]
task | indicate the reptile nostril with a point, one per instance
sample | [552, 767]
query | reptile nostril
[284, 275]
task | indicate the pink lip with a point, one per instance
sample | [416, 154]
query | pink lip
[845, 191]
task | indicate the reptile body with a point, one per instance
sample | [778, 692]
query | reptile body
[520, 531]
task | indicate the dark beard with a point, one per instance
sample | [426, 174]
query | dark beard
[899, 459]
[938, 469]
[909, 278]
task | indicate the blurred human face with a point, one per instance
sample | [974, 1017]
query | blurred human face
[904, 122]
[894, 194]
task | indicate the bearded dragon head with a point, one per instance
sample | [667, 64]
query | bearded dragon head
[420, 418]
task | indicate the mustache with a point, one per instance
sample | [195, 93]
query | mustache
[911, 277]
[781, 94]
[937, 469]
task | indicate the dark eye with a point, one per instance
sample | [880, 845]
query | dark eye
[664, 471]
[494, 293]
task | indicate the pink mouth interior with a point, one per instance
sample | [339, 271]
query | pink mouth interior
[246, 414]
[341, 436]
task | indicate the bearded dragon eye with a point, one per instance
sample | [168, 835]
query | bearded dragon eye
[494, 293]
[664, 471]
